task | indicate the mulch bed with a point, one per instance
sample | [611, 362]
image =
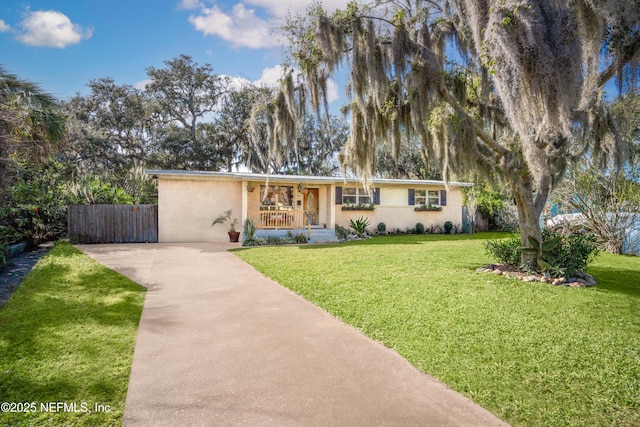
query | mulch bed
[17, 268]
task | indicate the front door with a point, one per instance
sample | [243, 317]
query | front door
[311, 205]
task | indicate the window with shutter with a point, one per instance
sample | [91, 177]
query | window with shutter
[412, 197]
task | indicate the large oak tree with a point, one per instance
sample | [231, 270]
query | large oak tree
[491, 87]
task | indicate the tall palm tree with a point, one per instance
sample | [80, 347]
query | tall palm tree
[31, 122]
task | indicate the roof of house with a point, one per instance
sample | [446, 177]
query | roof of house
[181, 174]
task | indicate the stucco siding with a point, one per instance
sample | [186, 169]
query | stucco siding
[189, 201]
[186, 209]
[394, 210]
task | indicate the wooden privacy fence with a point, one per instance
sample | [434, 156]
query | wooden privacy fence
[113, 223]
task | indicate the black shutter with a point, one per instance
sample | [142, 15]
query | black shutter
[443, 197]
[338, 195]
[412, 197]
[376, 196]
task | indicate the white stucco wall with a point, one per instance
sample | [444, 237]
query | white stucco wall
[394, 209]
[186, 208]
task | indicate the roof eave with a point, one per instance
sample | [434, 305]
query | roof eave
[179, 174]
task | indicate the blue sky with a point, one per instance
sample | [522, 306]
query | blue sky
[63, 44]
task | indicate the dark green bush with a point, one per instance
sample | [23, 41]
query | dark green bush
[419, 228]
[574, 252]
[299, 238]
[448, 226]
[341, 232]
[249, 232]
[4, 255]
[382, 227]
[571, 256]
[273, 240]
[34, 204]
[505, 251]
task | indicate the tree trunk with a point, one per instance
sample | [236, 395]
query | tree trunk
[528, 215]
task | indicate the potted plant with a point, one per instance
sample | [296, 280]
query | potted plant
[226, 217]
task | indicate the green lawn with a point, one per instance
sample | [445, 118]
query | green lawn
[67, 337]
[533, 354]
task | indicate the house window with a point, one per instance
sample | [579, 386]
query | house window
[276, 197]
[427, 197]
[355, 196]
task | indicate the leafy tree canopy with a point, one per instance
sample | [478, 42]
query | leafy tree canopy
[530, 73]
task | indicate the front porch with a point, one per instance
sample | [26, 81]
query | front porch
[284, 205]
[276, 219]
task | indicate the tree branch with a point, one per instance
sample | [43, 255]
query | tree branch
[628, 52]
[485, 137]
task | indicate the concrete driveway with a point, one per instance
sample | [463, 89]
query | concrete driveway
[220, 344]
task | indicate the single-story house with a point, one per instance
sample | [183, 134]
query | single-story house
[188, 201]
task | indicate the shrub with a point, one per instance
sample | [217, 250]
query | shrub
[4, 255]
[34, 204]
[419, 228]
[448, 226]
[359, 225]
[273, 240]
[299, 238]
[505, 251]
[341, 232]
[382, 227]
[434, 229]
[574, 252]
[248, 232]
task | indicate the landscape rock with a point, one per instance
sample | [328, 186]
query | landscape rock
[581, 279]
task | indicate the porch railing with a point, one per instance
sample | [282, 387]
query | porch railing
[278, 218]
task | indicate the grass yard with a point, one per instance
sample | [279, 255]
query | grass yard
[533, 354]
[67, 337]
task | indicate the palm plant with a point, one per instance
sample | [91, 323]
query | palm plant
[360, 225]
[226, 217]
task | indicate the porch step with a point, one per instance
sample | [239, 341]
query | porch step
[318, 235]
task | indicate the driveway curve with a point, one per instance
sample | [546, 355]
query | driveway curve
[220, 344]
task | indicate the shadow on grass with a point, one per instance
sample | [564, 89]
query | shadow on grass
[408, 239]
[414, 239]
[86, 301]
[611, 279]
[61, 312]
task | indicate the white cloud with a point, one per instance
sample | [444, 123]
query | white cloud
[270, 76]
[280, 8]
[4, 27]
[142, 85]
[50, 28]
[332, 91]
[237, 83]
[243, 27]
[190, 4]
